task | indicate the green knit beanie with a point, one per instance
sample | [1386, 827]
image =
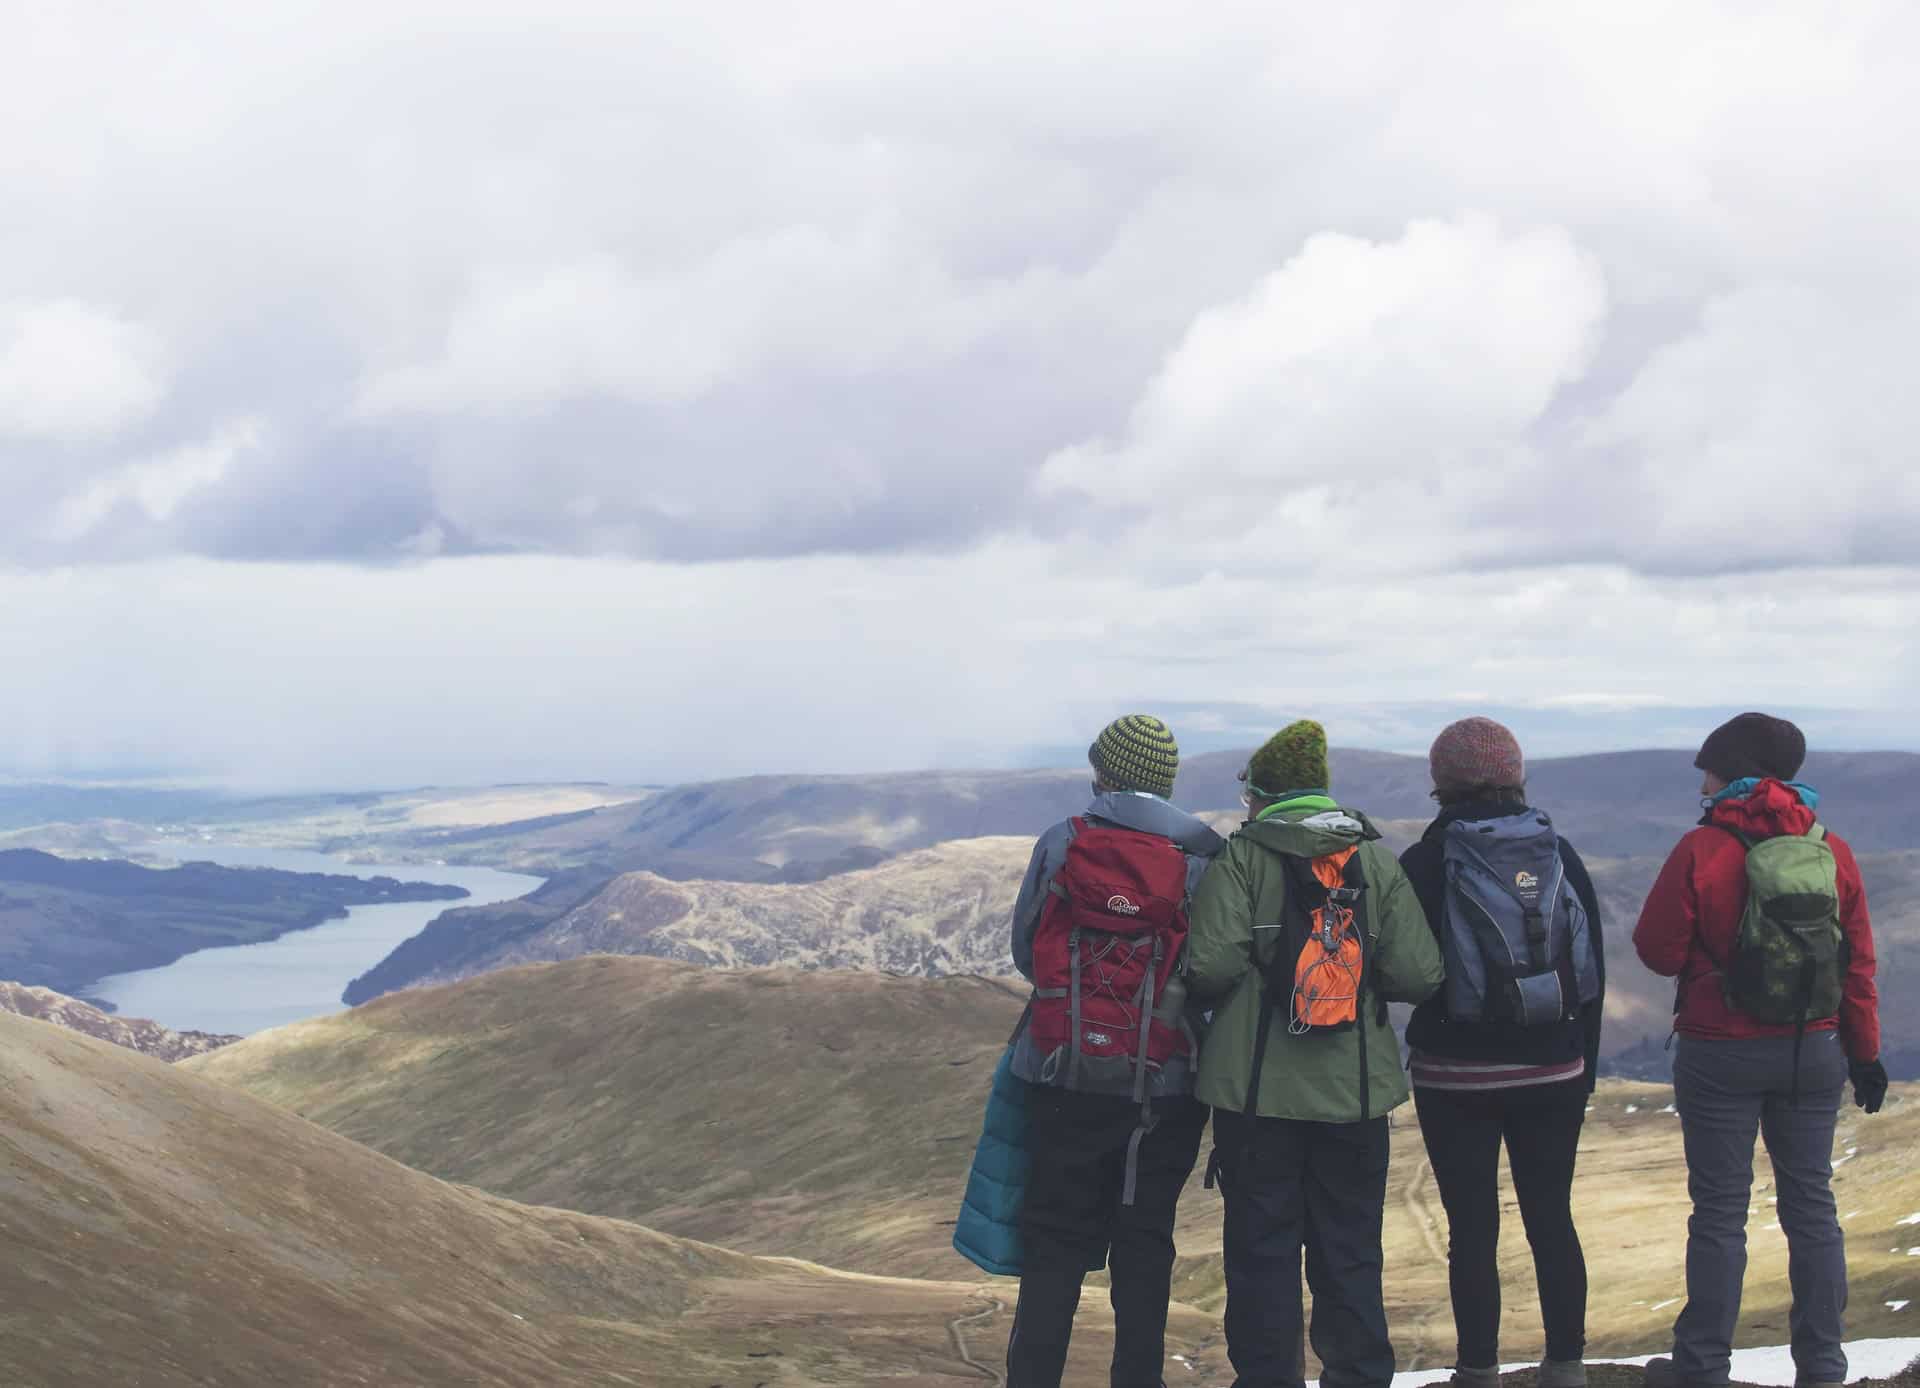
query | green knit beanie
[1136, 752]
[1293, 759]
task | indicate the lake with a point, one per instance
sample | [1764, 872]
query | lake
[247, 988]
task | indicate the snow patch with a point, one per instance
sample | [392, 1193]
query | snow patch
[1633, 1108]
[1910, 1219]
[1772, 1366]
[1896, 1305]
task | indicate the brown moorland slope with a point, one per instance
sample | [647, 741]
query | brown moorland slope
[165, 1230]
[822, 1115]
[832, 1116]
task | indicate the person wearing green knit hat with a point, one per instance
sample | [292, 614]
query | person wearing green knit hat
[1303, 930]
[1290, 764]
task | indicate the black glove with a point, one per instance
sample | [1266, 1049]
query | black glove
[1869, 1084]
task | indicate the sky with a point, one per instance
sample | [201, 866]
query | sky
[423, 391]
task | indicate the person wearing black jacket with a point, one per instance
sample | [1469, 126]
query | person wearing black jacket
[1477, 1084]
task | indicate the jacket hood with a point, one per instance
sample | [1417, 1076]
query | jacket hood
[1136, 809]
[1770, 809]
[1310, 833]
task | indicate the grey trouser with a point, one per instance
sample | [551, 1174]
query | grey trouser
[1725, 1090]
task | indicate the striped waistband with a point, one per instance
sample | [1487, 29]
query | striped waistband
[1450, 1072]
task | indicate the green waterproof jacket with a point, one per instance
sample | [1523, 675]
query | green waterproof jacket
[1236, 912]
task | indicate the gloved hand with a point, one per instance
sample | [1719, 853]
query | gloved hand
[1869, 1084]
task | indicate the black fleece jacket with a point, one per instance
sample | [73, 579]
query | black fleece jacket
[1434, 1032]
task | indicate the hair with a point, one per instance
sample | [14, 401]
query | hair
[1466, 795]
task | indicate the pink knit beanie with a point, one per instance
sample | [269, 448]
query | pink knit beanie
[1476, 752]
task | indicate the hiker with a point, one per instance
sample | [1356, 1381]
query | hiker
[1503, 1054]
[1108, 1051]
[1761, 916]
[1304, 929]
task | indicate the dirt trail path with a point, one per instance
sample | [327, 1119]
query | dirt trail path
[1420, 1207]
[956, 1329]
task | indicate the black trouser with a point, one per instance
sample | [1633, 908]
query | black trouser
[1073, 1221]
[1541, 1127]
[1321, 1187]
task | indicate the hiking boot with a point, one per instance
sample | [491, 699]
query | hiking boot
[1562, 1373]
[1660, 1373]
[1463, 1377]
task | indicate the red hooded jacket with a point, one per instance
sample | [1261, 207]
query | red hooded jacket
[1701, 894]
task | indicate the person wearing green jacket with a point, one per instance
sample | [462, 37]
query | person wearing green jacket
[1302, 1072]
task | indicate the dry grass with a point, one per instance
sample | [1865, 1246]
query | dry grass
[831, 1116]
[164, 1230]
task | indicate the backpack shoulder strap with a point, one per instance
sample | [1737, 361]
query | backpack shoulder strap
[1075, 828]
[1747, 841]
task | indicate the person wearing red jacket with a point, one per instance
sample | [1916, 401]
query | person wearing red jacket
[1734, 1076]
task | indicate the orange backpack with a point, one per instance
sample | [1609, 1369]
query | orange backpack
[1326, 973]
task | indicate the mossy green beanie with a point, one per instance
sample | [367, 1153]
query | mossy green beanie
[1293, 759]
[1136, 752]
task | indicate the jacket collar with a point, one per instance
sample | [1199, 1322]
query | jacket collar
[1310, 833]
[1134, 809]
[1473, 810]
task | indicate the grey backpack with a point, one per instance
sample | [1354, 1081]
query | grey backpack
[1517, 943]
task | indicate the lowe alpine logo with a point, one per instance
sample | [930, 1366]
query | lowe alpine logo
[1099, 1038]
[1526, 881]
[1120, 906]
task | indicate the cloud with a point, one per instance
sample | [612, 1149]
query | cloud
[507, 668]
[73, 372]
[711, 283]
[153, 490]
[1361, 393]
[946, 374]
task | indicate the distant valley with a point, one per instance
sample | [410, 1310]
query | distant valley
[914, 872]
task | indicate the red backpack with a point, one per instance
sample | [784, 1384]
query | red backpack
[1106, 946]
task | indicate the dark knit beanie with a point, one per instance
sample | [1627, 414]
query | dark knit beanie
[1295, 758]
[1136, 752]
[1754, 744]
[1473, 753]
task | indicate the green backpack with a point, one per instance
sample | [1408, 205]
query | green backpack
[1789, 954]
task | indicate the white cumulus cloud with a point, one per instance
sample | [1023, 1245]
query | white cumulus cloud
[74, 372]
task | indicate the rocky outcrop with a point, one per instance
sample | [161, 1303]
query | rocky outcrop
[135, 1033]
[936, 912]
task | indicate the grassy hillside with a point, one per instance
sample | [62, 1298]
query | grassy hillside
[832, 1116]
[825, 1116]
[166, 1231]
